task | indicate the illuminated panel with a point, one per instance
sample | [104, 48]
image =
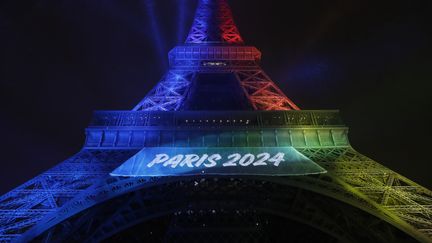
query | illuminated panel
[214, 64]
[180, 161]
[214, 53]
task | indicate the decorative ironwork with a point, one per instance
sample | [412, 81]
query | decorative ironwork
[214, 23]
[223, 52]
[353, 179]
[169, 93]
[244, 214]
[262, 92]
[26, 206]
[203, 119]
[356, 193]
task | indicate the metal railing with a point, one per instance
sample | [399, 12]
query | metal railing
[216, 118]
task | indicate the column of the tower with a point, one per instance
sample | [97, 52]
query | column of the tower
[214, 24]
[215, 46]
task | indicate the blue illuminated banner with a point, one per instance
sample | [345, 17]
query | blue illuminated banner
[182, 161]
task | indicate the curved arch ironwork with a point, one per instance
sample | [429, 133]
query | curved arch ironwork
[128, 185]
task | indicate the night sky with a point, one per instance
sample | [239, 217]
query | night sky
[60, 60]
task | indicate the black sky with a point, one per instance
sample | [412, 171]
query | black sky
[60, 60]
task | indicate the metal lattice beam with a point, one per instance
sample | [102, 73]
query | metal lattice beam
[25, 206]
[330, 185]
[352, 188]
[262, 92]
[214, 23]
[169, 93]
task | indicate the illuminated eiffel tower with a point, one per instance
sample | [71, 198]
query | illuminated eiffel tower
[215, 95]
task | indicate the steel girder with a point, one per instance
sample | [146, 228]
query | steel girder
[262, 92]
[169, 93]
[197, 198]
[213, 23]
[25, 206]
[401, 201]
[83, 181]
[352, 178]
[206, 46]
[214, 45]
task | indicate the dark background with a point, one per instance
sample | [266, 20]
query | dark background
[60, 60]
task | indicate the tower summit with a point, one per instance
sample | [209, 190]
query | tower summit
[217, 152]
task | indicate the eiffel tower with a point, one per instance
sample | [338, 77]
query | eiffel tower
[215, 95]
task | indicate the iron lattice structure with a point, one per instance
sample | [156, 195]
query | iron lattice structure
[214, 44]
[357, 200]
[213, 23]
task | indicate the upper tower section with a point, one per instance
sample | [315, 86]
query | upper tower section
[214, 70]
[214, 24]
[214, 41]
